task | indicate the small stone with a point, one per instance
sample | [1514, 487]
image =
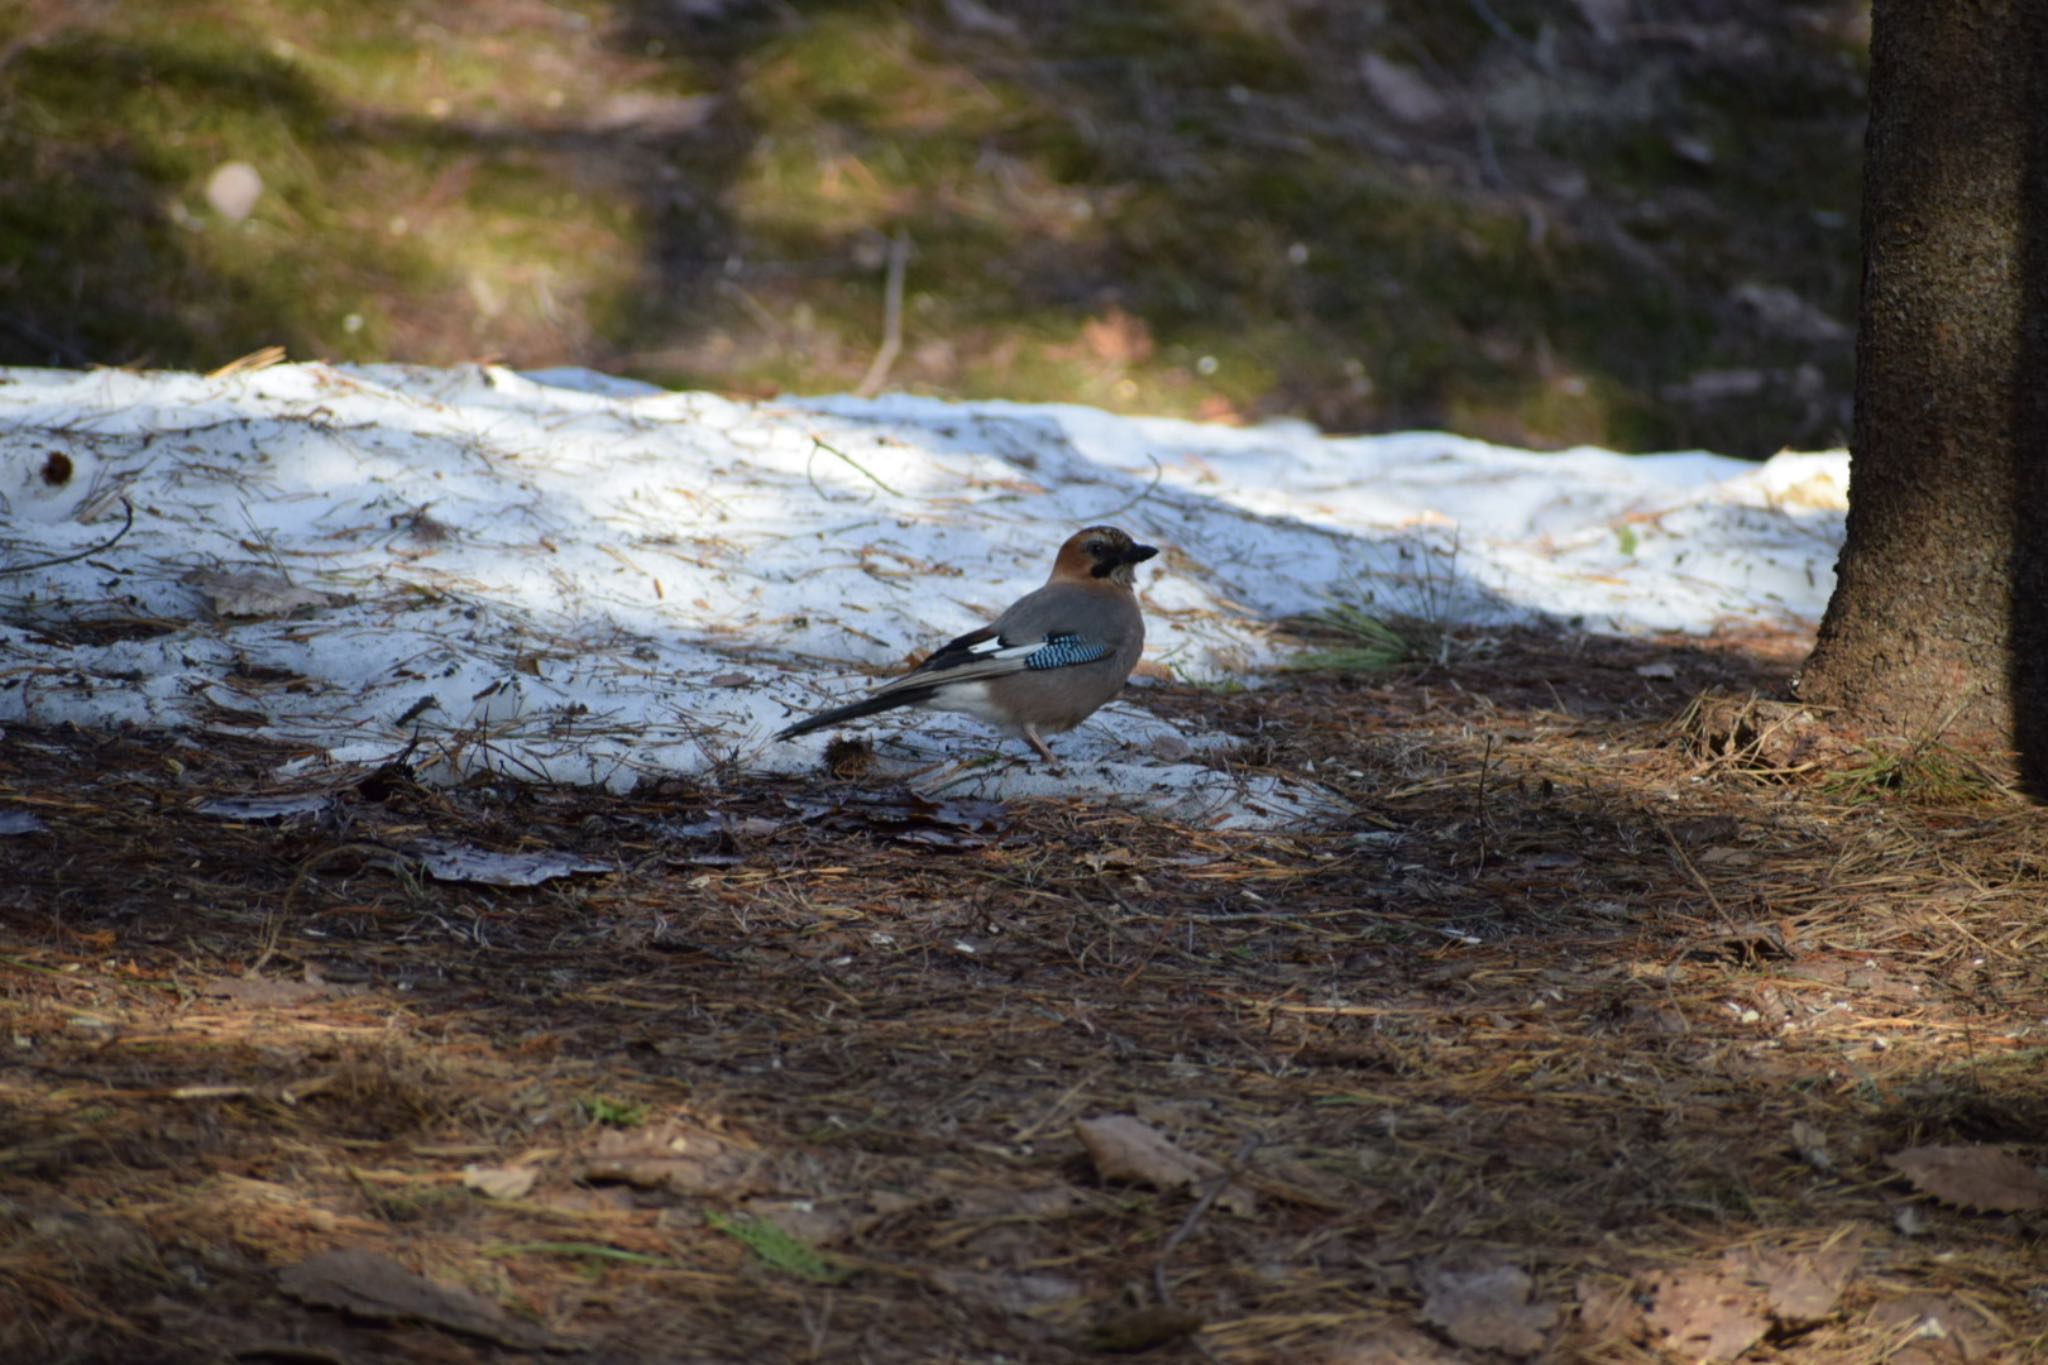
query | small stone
[233, 189]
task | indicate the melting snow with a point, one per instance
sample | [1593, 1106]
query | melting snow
[571, 577]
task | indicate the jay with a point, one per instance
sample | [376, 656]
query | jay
[1046, 664]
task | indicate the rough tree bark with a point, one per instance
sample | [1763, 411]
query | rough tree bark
[1939, 621]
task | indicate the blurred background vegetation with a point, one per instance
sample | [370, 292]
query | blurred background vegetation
[1623, 221]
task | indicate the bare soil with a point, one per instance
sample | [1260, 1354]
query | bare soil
[1577, 1041]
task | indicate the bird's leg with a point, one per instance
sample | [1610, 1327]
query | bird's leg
[1031, 738]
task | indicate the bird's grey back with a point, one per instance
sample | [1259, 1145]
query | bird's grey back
[1106, 614]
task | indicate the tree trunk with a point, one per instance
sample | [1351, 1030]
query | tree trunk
[1939, 621]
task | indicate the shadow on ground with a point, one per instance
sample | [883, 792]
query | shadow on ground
[801, 1075]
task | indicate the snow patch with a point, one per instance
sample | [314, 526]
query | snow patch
[569, 577]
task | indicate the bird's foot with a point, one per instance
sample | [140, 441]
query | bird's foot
[1031, 738]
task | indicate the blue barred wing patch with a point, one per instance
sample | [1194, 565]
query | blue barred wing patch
[1065, 649]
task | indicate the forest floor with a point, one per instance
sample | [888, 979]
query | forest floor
[1631, 224]
[1578, 1040]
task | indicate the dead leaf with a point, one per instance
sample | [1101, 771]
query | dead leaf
[446, 862]
[1484, 1304]
[676, 1158]
[1805, 1289]
[13, 821]
[1115, 858]
[1931, 1330]
[253, 593]
[1608, 1311]
[1020, 1293]
[1004, 1201]
[499, 1182]
[1390, 1344]
[1293, 1181]
[78, 1238]
[1987, 1179]
[1812, 1145]
[1706, 1314]
[367, 1285]
[728, 827]
[1124, 1148]
[264, 991]
[1118, 338]
[602, 1202]
[1745, 942]
[1724, 855]
[256, 809]
[911, 818]
[1171, 748]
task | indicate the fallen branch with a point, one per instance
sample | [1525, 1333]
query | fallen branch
[127, 524]
[892, 318]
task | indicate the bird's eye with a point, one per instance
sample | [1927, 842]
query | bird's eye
[1096, 547]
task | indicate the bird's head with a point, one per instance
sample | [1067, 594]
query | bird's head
[1101, 553]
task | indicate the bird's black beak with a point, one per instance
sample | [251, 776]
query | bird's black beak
[1138, 554]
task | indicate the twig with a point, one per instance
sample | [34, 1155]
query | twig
[290, 1352]
[209, 1092]
[127, 524]
[818, 445]
[1687, 863]
[1934, 736]
[264, 539]
[1045, 1120]
[1485, 765]
[1521, 45]
[1231, 1170]
[273, 925]
[892, 318]
[28, 331]
[756, 309]
[816, 1327]
[1158, 473]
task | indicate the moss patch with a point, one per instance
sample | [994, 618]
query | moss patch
[1207, 207]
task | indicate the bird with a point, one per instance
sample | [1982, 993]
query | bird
[1045, 664]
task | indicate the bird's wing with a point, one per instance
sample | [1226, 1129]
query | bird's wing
[989, 653]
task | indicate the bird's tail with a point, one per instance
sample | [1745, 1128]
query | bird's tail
[866, 706]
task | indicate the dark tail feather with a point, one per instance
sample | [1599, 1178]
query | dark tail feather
[867, 706]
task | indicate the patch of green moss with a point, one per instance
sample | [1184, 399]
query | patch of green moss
[1186, 44]
[118, 133]
[870, 71]
[442, 182]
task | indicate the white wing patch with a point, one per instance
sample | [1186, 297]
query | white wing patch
[998, 648]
